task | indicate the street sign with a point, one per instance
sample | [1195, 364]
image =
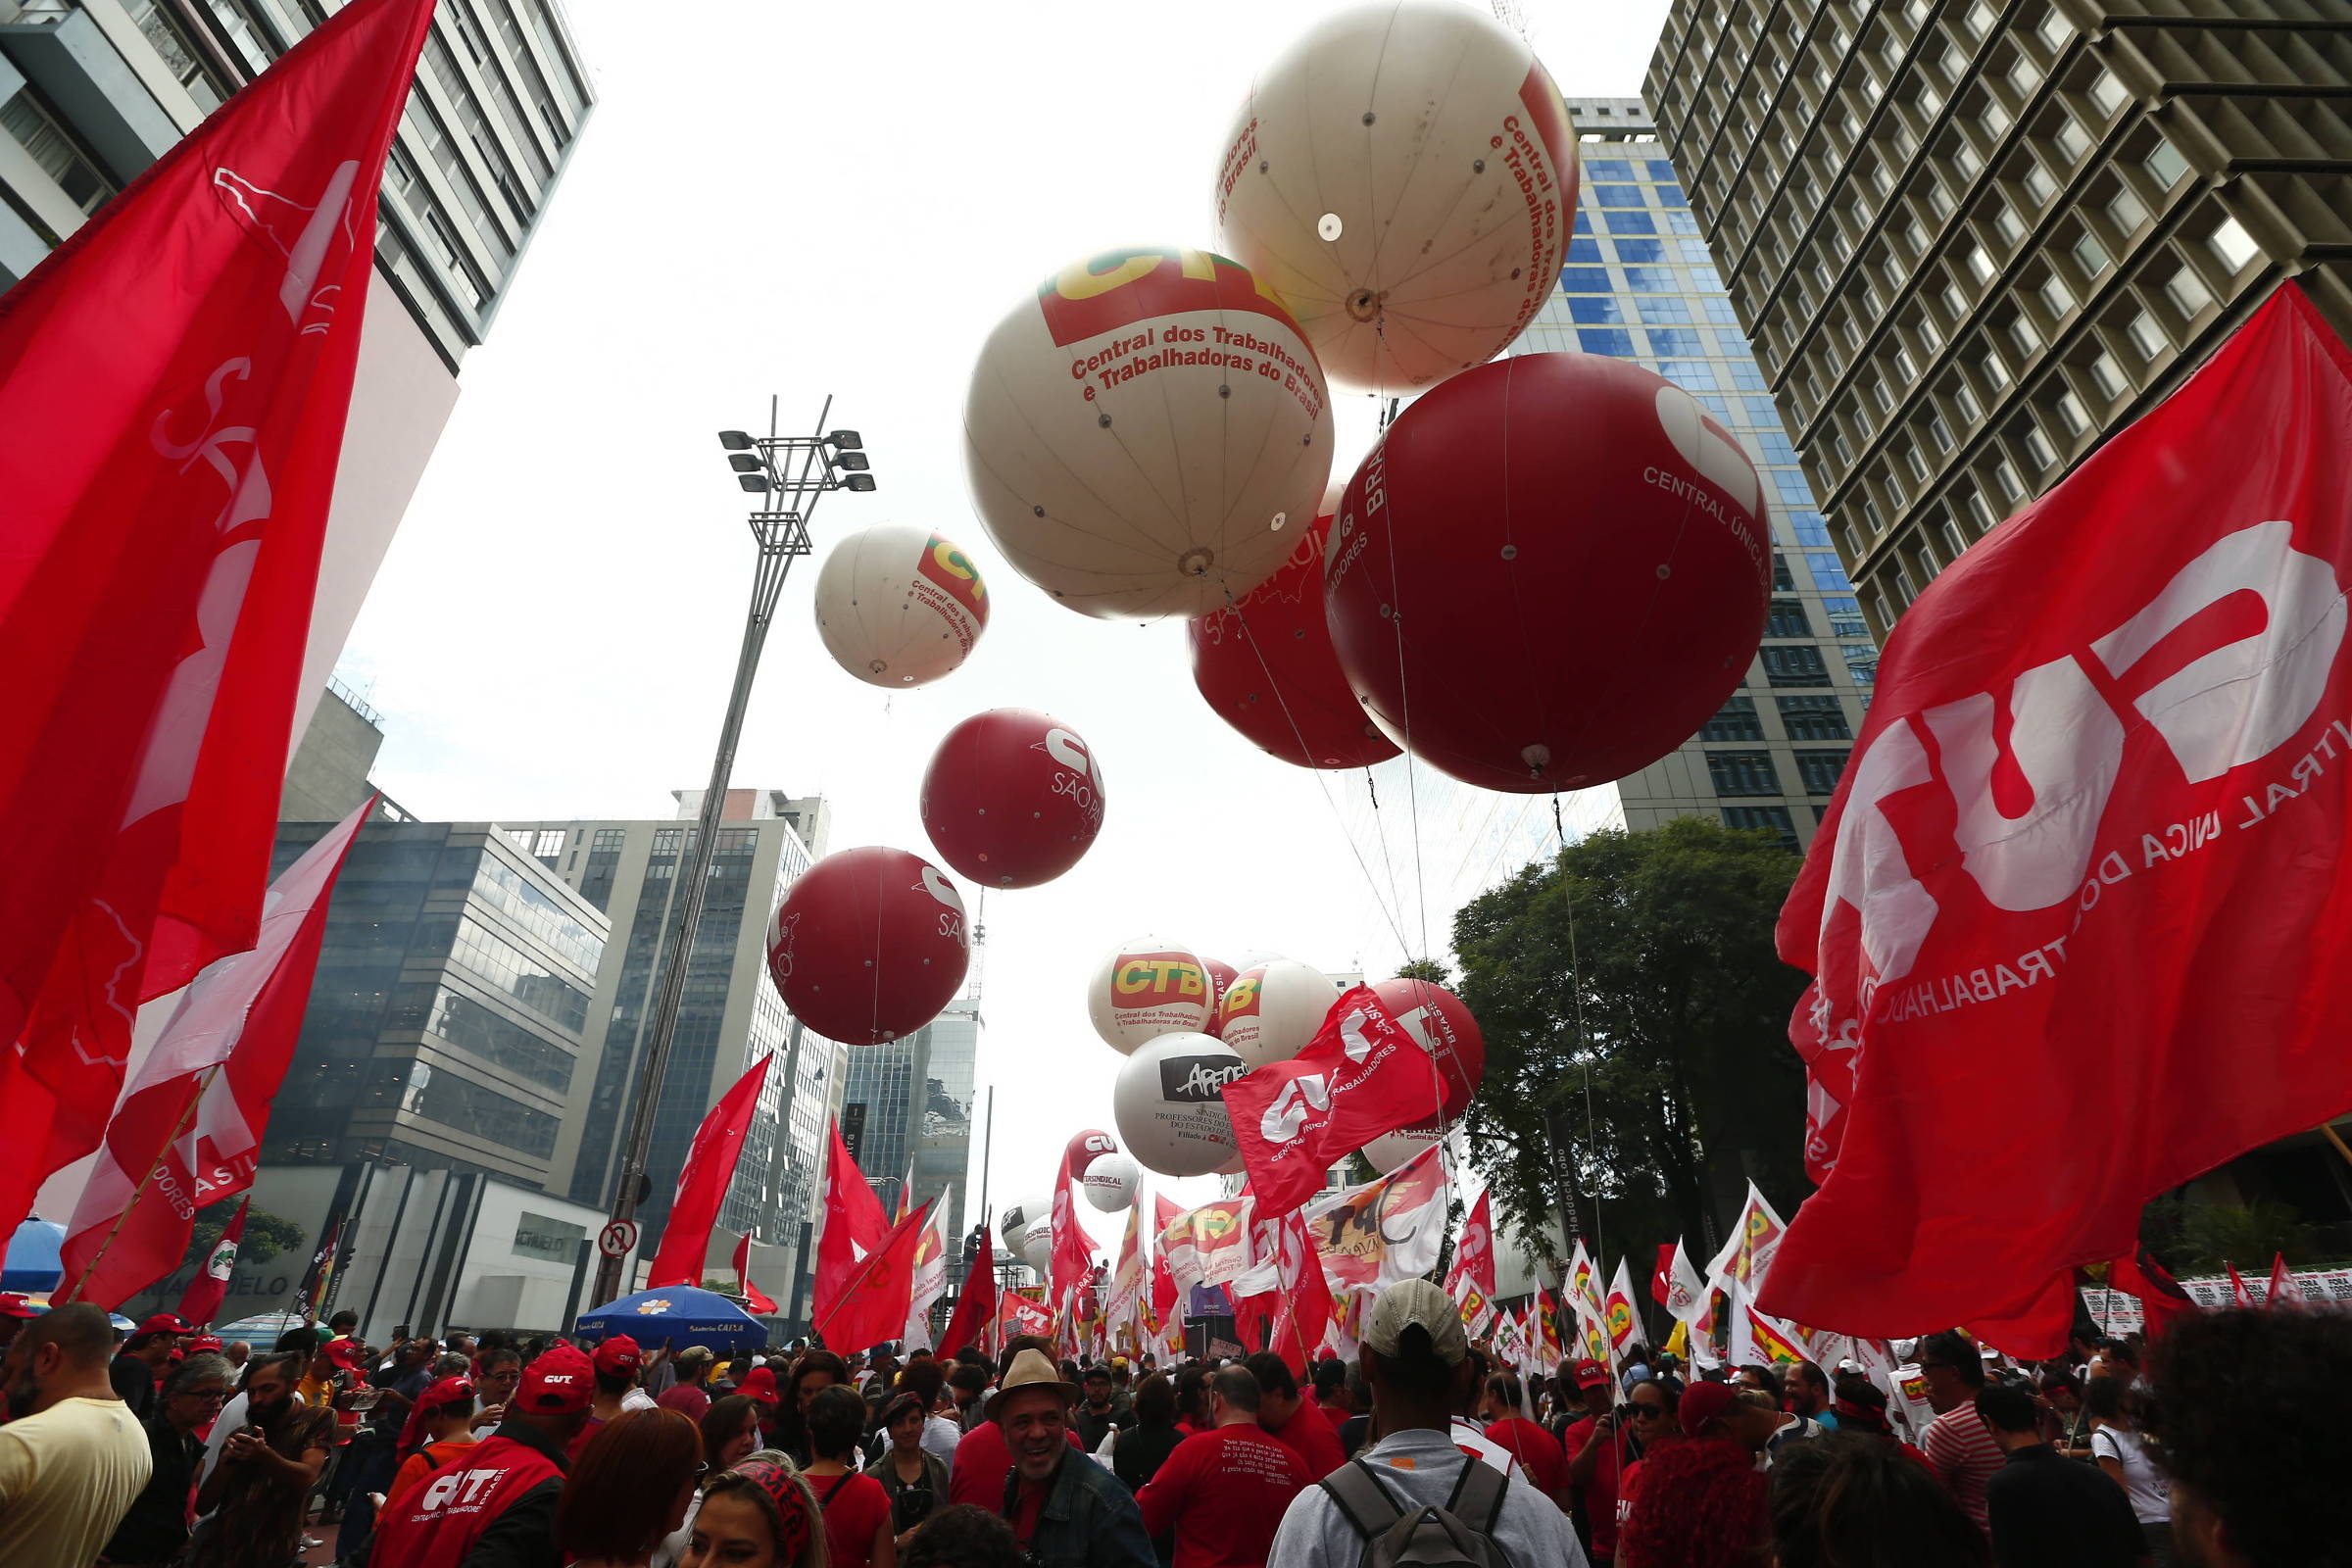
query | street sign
[617, 1239]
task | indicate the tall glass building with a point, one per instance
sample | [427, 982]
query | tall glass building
[911, 1102]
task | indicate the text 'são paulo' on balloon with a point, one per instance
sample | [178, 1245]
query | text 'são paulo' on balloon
[1271, 1012]
[1405, 179]
[868, 945]
[1264, 665]
[1169, 1105]
[1148, 434]
[1438, 1020]
[1147, 987]
[899, 605]
[1552, 570]
[1011, 799]
[1109, 1182]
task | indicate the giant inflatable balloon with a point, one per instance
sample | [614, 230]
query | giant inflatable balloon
[899, 605]
[1147, 987]
[1273, 1010]
[1405, 177]
[1109, 1182]
[1264, 665]
[1013, 799]
[1036, 1242]
[1437, 1017]
[1169, 1105]
[868, 945]
[1391, 1150]
[1551, 572]
[1083, 1149]
[1014, 1223]
[1147, 434]
[1221, 976]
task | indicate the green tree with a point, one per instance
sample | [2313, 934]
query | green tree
[1635, 1018]
[266, 1235]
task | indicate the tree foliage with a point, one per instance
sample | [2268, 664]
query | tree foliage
[1635, 1021]
[266, 1235]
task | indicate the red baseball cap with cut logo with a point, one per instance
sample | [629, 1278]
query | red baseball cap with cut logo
[1592, 1375]
[620, 1353]
[560, 1382]
[162, 1323]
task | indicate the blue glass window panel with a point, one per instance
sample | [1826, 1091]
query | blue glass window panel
[1638, 250]
[1603, 309]
[1651, 280]
[1669, 195]
[1585, 279]
[1719, 312]
[1713, 406]
[1682, 221]
[1599, 169]
[1733, 345]
[1704, 280]
[1604, 340]
[1763, 411]
[1828, 573]
[1789, 484]
[1657, 168]
[1692, 376]
[1695, 252]
[1808, 523]
[1776, 449]
[1623, 222]
[1656, 311]
[1687, 340]
[1746, 377]
[1618, 195]
[1585, 248]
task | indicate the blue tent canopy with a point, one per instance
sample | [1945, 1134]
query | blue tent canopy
[677, 1315]
[32, 1261]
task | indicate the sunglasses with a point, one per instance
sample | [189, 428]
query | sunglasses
[1648, 1412]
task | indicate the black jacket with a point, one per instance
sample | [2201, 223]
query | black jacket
[2049, 1511]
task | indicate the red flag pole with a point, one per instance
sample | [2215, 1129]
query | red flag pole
[187, 1115]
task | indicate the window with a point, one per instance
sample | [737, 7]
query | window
[2187, 291]
[1788, 619]
[1781, 579]
[1845, 617]
[1668, 341]
[2146, 336]
[550, 843]
[1828, 573]
[2037, 184]
[1654, 311]
[2007, 225]
[1742, 773]
[1979, 265]
[2054, 296]
[2091, 256]
[1651, 280]
[51, 148]
[1807, 528]
[1625, 222]
[2165, 165]
[1736, 720]
[2125, 212]
[1692, 376]
[1795, 665]
[1773, 820]
[1595, 311]
[2037, 447]
[1618, 196]
[1600, 168]
[1636, 250]
[1814, 718]
[1818, 772]
[1604, 340]
[1954, 542]
[1585, 279]
[1585, 248]
[2072, 413]
[2106, 376]
[2232, 244]
[1862, 662]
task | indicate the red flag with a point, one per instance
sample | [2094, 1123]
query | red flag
[2162, 1300]
[2091, 839]
[2281, 1295]
[1661, 1278]
[761, 1303]
[189, 1132]
[1362, 1075]
[1022, 1314]
[203, 1294]
[873, 1307]
[176, 377]
[854, 1226]
[703, 1181]
[1474, 1254]
[1303, 1306]
[976, 1306]
[2240, 1295]
[1073, 1257]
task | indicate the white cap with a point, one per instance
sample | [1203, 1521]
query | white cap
[1412, 1302]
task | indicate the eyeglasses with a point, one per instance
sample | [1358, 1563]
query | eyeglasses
[1649, 1413]
[219, 1394]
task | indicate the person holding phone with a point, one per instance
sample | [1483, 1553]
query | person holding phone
[252, 1503]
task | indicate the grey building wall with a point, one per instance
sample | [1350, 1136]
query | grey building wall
[327, 778]
[912, 1099]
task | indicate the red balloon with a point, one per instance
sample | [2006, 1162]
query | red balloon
[1080, 1152]
[1437, 1017]
[1552, 570]
[1220, 976]
[1265, 665]
[1012, 798]
[868, 945]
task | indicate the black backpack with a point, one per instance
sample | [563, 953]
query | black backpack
[1459, 1535]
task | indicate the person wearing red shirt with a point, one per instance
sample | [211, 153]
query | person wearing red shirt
[1293, 1421]
[1595, 1451]
[1538, 1451]
[856, 1505]
[1223, 1493]
[981, 1459]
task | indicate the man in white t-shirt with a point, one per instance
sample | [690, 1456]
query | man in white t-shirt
[1416, 1362]
[73, 1458]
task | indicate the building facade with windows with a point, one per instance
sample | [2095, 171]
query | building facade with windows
[1970, 239]
[451, 1006]
[94, 91]
[910, 1102]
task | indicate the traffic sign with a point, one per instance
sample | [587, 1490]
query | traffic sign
[618, 1239]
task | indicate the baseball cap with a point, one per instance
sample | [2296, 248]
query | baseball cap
[1592, 1375]
[162, 1323]
[760, 1385]
[211, 1341]
[1416, 1301]
[446, 1390]
[560, 1382]
[14, 1304]
[620, 1353]
[692, 1355]
[1702, 1402]
[344, 1354]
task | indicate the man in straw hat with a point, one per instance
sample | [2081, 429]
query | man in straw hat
[1065, 1510]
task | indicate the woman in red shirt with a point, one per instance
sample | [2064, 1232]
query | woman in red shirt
[857, 1506]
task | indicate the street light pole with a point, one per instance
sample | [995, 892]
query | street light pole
[791, 474]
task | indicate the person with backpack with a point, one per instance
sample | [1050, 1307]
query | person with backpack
[1414, 1497]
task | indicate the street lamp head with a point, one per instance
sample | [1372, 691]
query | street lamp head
[845, 441]
[735, 440]
[852, 462]
[755, 483]
[743, 463]
[859, 482]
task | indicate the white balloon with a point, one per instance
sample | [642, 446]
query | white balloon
[1169, 1105]
[1148, 433]
[1109, 1181]
[1015, 1221]
[1272, 1010]
[1404, 177]
[1037, 1248]
[1389, 1151]
[1147, 988]
[899, 605]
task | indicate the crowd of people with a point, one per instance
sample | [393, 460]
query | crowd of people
[2214, 1448]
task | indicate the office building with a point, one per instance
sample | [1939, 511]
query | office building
[907, 1104]
[94, 91]
[729, 1017]
[450, 1009]
[1971, 239]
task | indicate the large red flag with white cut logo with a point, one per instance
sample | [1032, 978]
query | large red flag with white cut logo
[1474, 1252]
[190, 1131]
[852, 1226]
[176, 377]
[975, 1303]
[754, 1299]
[2080, 918]
[875, 1305]
[703, 1181]
[205, 1291]
[1073, 1255]
[1362, 1075]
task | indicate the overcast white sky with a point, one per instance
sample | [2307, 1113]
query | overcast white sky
[802, 199]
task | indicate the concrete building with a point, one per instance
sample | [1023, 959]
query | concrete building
[94, 91]
[730, 1017]
[910, 1102]
[1970, 239]
[450, 1009]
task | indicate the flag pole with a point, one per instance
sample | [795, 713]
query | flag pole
[2328, 1129]
[187, 1115]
